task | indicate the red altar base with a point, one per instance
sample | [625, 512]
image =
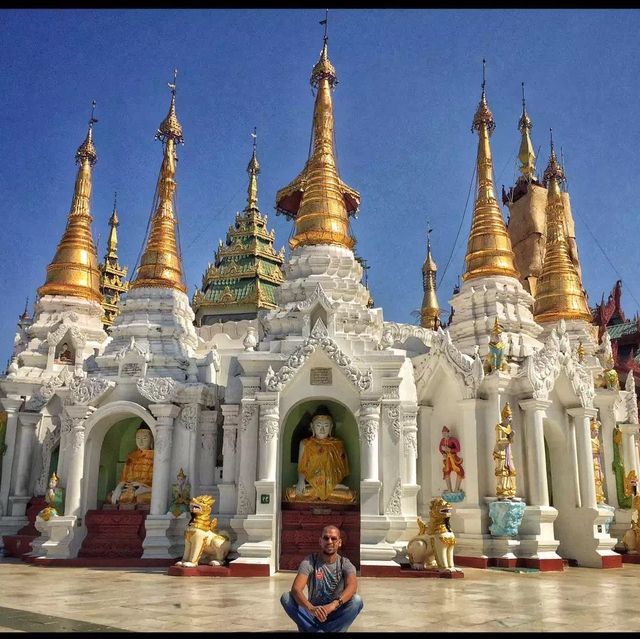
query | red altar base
[404, 570]
[114, 534]
[20, 543]
[543, 565]
[101, 562]
[232, 569]
[630, 559]
[302, 524]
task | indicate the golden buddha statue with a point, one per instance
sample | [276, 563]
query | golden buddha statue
[135, 482]
[322, 465]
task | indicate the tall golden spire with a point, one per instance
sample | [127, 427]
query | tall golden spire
[559, 293]
[74, 269]
[430, 311]
[318, 199]
[161, 265]
[489, 249]
[526, 154]
[253, 169]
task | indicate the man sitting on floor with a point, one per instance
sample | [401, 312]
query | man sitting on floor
[331, 604]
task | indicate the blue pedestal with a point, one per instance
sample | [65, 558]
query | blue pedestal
[506, 517]
[453, 497]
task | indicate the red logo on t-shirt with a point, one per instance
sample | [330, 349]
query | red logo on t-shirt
[319, 573]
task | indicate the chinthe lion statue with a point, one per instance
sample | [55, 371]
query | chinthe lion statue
[201, 536]
[631, 538]
[432, 547]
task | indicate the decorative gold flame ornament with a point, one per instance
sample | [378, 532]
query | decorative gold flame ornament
[74, 269]
[430, 311]
[319, 201]
[559, 293]
[489, 249]
[161, 265]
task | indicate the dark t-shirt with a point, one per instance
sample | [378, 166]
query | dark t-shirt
[325, 581]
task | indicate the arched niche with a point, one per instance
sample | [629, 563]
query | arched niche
[296, 428]
[97, 427]
[119, 441]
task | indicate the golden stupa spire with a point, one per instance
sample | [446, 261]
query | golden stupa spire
[318, 199]
[74, 269]
[489, 249]
[430, 311]
[253, 169]
[112, 240]
[526, 154]
[161, 265]
[559, 294]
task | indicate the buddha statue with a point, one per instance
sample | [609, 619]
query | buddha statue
[322, 465]
[135, 482]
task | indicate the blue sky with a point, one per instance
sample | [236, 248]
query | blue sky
[409, 83]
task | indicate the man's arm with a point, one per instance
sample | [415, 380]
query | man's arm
[350, 589]
[297, 590]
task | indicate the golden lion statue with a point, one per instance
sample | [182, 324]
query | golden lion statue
[201, 536]
[432, 547]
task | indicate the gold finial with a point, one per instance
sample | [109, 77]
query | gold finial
[559, 293]
[161, 264]
[181, 475]
[87, 151]
[496, 331]
[74, 269]
[253, 169]
[489, 249]
[170, 127]
[430, 311]
[112, 240]
[580, 352]
[317, 198]
[554, 170]
[526, 154]
[506, 411]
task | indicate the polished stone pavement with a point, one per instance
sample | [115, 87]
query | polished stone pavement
[37, 598]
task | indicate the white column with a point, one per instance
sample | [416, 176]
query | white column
[11, 405]
[207, 448]
[28, 422]
[248, 444]
[229, 447]
[537, 489]
[165, 415]
[368, 426]
[582, 422]
[183, 448]
[410, 445]
[268, 431]
[629, 457]
[605, 401]
[424, 457]
[73, 421]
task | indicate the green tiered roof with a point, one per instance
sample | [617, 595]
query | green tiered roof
[246, 270]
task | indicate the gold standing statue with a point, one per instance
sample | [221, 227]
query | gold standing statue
[322, 465]
[135, 482]
[505, 469]
[597, 466]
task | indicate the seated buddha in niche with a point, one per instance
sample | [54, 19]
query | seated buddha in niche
[322, 465]
[135, 482]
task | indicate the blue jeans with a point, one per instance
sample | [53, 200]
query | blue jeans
[337, 621]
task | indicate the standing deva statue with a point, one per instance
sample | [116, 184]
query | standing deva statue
[495, 360]
[54, 498]
[322, 465]
[180, 495]
[597, 465]
[505, 471]
[449, 448]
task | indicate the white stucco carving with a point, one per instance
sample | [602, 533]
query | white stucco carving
[158, 389]
[369, 422]
[319, 338]
[89, 390]
[394, 506]
[631, 400]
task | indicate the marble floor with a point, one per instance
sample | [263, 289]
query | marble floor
[36, 598]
